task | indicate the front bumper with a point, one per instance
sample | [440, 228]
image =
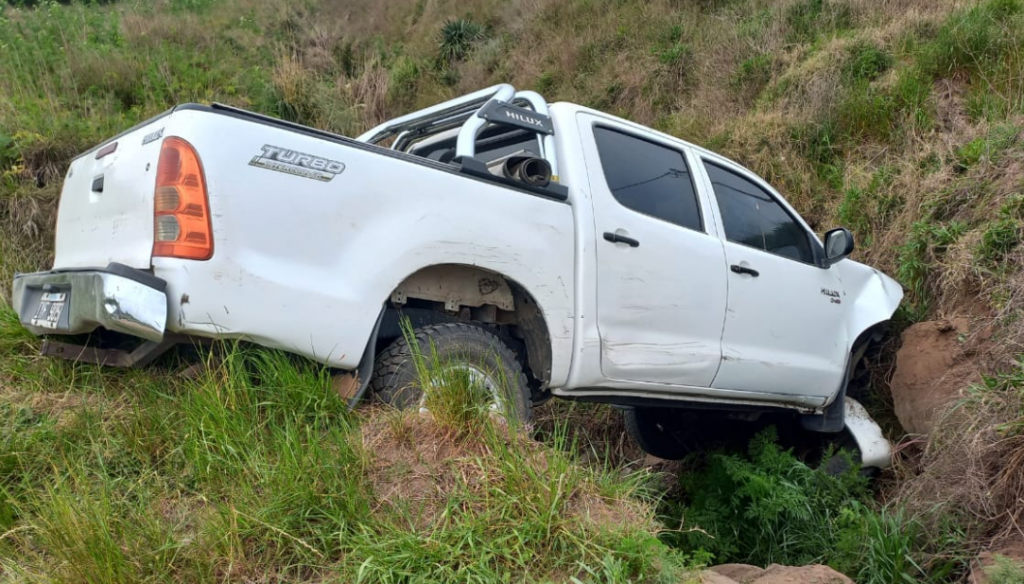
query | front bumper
[116, 298]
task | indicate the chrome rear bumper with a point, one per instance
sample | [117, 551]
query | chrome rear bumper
[116, 298]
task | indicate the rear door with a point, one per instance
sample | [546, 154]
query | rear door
[784, 328]
[106, 203]
[660, 276]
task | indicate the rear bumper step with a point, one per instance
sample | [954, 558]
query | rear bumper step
[70, 302]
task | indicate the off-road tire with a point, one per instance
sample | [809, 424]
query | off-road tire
[395, 381]
[662, 432]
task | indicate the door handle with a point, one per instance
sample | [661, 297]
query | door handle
[616, 238]
[744, 270]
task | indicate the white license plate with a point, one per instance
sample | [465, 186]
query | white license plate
[51, 307]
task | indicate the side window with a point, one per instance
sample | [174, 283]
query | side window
[648, 178]
[752, 217]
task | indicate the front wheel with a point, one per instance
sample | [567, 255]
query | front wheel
[460, 362]
[663, 432]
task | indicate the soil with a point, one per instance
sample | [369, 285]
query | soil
[419, 465]
[934, 364]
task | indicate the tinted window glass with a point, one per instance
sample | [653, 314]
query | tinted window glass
[752, 217]
[648, 178]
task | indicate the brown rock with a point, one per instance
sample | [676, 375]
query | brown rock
[931, 369]
[742, 573]
[816, 574]
[709, 577]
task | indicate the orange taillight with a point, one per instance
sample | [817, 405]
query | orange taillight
[181, 212]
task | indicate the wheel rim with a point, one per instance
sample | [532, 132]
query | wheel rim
[478, 379]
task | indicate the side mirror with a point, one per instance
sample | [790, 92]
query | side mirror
[838, 245]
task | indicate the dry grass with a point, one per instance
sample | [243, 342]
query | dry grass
[973, 468]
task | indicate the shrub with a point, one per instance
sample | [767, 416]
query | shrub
[768, 508]
[753, 74]
[772, 508]
[809, 18]
[998, 239]
[988, 147]
[974, 40]
[458, 36]
[868, 111]
[865, 61]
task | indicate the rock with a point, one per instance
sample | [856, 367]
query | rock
[739, 572]
[709, 577]
[931, 369]
[816, 574]
[774, 574]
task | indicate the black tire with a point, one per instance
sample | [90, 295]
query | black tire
[662, 432]
[395, 380]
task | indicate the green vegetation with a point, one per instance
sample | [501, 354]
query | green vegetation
[1005, 571]
[771, 507]
[256, 468]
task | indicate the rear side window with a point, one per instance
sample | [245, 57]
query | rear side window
[753, 217]
[648, 178]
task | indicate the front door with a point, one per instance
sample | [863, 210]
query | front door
[660, 276]
[784, 328]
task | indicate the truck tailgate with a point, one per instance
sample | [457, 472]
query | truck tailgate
[106, 204]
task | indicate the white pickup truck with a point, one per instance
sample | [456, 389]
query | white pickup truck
[563, 250]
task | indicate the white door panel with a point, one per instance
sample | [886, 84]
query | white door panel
[783, 331]
[785, 323]
[661, 287]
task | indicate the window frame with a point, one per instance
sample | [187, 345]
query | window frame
[817, 251]
[673, 147]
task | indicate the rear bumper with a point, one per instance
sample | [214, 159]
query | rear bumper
[116, 298]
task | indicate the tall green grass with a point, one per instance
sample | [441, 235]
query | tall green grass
[258, 468]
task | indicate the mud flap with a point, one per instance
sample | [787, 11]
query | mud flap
[831, 420]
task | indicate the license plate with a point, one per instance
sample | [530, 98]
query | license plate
[51, 307]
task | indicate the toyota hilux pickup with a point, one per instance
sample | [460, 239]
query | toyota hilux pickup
[545, 249]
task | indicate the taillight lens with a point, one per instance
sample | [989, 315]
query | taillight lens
[181, 222]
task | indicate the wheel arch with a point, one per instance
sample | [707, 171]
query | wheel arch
[453, 292]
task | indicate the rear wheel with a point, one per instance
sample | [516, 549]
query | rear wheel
[452, 354]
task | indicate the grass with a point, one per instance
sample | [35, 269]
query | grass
[257, 468]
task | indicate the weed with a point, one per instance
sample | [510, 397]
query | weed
[1005, 571]
[868, 111]
[807, 19]
[770, 508]
[886, 543]
[458, 36]
[865, 61]
[753, 74]
[914, 261]
[988, 147]
[974, 39]
[819, 144]
[998, 239]
[986, 43]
